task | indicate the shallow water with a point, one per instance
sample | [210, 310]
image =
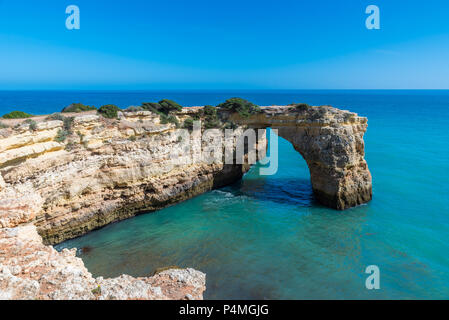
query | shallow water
[266, 237]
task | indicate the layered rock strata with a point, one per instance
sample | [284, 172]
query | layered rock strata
[107, 170]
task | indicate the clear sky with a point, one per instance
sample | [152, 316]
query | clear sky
[209, 44]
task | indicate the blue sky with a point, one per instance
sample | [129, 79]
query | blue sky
[245, 44]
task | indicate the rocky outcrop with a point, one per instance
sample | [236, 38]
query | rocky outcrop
[29, 270]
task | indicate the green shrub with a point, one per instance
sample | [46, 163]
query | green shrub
[78, 107]
[134, 109]
[163, 107]
[210, 123]
[66, 130]
[109, 111]
[174, 120]
[198, 115]
[301, 106]
[68, 122]
[132, 138]
[32, 124]
[62, 135]
[169, 119]
[3, 126]
[97, 291]
[169, 106]
[188, 124]
[230, 125]
[243, 107]
[17, 115]
[152, 106]
[317, 113]
[211, 117]
[163, 118]
[210, 111]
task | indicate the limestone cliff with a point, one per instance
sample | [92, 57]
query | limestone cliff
[107, 170]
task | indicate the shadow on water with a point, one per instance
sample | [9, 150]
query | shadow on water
[296, 192]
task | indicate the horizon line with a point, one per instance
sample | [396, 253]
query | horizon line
[200, 89]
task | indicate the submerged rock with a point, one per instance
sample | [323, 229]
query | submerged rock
[86, 249]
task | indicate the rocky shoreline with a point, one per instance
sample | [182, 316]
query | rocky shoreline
[30, 270]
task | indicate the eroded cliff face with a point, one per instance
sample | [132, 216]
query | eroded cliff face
[108, 170]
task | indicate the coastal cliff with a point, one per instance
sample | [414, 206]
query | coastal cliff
[56, 186]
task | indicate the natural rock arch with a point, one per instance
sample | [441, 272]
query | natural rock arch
[331, 142]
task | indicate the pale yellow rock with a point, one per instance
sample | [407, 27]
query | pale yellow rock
[28, 151]
[28, 138]
[86, 119]
[48, 125]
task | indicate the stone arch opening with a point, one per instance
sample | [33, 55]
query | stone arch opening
[331, 142]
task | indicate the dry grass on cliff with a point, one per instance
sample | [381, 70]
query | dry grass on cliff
[40, 118]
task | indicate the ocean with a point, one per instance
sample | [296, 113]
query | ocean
[265, 237]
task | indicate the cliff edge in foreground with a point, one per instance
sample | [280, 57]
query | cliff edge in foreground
[29, 270]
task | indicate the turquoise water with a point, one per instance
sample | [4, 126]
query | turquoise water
[266, 237]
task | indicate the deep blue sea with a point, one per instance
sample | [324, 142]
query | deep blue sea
[265, 237]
